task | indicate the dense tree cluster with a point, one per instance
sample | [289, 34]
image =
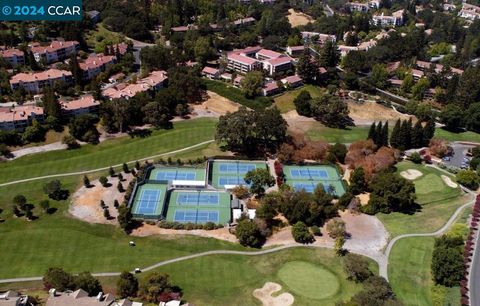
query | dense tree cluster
[406, 136]
[251, 132]
[447, 261]
[390, 192]
[364, 153]
[328, 109]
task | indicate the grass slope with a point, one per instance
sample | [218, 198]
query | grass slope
[115, 151]
[437, 200]
[348, 135]
[462, 136]
[230, 280]
[284, 102]
[236, 95]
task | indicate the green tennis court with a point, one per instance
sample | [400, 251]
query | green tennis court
[198, 206]
[232, 172]
[149, 201]
[308, 177]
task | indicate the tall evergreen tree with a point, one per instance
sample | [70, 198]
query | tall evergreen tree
[417, 135]
[307, 69]
[378, 134]
[394, 137]
[404, 136]
[329, 55]
[75, 70]
[50, 103]
[371, 132]
[385, 134]
[428, 132]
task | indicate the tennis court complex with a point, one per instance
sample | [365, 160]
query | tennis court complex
[198, 206]
[149, 201]
[230, 172]
[308, 177]
[177, 173]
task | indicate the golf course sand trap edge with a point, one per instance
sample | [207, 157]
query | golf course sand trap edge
[264, 294]
[411, 174]
[448, 181]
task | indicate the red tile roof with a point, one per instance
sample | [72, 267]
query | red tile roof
[39, 76]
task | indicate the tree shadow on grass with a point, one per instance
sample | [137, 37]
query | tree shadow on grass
[140, 133]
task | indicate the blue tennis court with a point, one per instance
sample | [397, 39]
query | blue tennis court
[196, 216]
[308, 187]
[176, 175]
[197, 198]
[235, 168]
[235, 180]
[148, 201]
[307, 173]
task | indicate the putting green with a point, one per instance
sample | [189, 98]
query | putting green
[429, 183]
[309, 280]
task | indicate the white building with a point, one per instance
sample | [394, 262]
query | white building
[19, 117]
[14, 57]
[395, 20]
[469, 11]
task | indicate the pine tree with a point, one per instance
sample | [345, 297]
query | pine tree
[378, 135]
[50, 103]
[371, 132]
[75, 70]
[394, 137]
[305, 68]
[428, 132]
[385, 134]
[404, 136]
[417, 135]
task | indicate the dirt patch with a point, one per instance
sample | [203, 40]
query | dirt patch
[215, 106]
[448, 181]
[298, 19]
[368, 112]
[149, 230]
[298, 124]
[411, 174]
[265, 293]
[85, 203]
[367, 234]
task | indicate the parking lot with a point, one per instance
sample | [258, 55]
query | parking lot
[459, 158]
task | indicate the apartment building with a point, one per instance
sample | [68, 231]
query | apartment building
[56, 51]
[319, 38]
[34, 82]
[257, 58]
[154, 81]
[295, 50]
[358, 7]
[84, 105]
[242, 63]
[13, 56]
[95, 64]
[395, 20]
[469, 11]
[19, 117]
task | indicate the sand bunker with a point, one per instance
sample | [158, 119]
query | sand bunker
[265, 295]
[448, 181]
[411, 174]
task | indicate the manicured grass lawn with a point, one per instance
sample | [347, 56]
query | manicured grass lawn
[309, 280]
[30, 248]
[348, 135]
[115, 151]
[236, 95]
[437, 200]
[409, 270]
[230, 280]
[463, 136]
[284, 102]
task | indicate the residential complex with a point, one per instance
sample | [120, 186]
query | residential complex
[56, 51]
[19, 117]
[35, 82]
[395, 20]
[13, 56]
[154, 81]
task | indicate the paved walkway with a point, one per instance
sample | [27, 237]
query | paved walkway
[105, 168]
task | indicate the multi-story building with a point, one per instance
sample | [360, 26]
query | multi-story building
[319, 37]
[358, 7]
[34, 82]
[277, 65]
[56, 51]
[83, 105]
[242, 63]
[19, 117]
[95, 64]
[256, 58]
[295, 50]
[13, 56]
[395, 20]
[154, 81]
[469, 11]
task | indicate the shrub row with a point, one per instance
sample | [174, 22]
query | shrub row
[279, 173]
[188, 226]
